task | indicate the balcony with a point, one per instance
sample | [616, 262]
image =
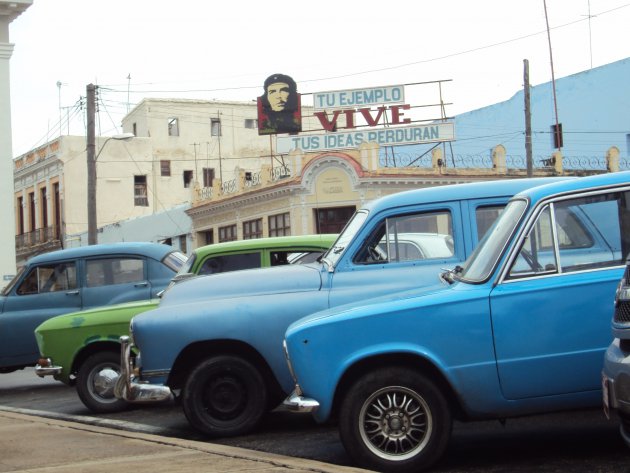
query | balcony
[38, 241]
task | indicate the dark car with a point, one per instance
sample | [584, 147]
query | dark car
[616, 374]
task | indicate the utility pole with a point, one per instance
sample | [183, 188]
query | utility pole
[91, 163]
[557, 130]
[528, 119]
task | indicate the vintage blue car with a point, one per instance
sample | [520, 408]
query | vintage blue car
[616, 372]
[521, 329]
[69, 280]
[218, 342]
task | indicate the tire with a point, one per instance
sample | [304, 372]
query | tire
[395, 420]
[95, 382]
[224, 396]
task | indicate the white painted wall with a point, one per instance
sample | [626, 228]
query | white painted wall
[8, 12]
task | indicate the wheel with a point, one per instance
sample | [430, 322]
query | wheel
[224, 396]
[395, 420]
[95, 382]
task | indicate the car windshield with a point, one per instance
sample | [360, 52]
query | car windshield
[8, 287]
[347, 235]
[174, 260]
[482, 260]
[188, 264]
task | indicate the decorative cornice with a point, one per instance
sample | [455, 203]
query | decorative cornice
[11, 10]
[241, 200]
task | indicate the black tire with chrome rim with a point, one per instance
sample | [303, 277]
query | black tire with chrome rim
[395, 420]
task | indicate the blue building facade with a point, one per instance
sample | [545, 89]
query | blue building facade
[593, 109]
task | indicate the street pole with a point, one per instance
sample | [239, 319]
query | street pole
[91, 164]
[528, 120]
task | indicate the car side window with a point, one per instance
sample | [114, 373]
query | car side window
[575, 235]
[304, 257]
[537, 254]
[409, 238]
[279, 258]
[109, 271]
[225, 263]
[49, 278]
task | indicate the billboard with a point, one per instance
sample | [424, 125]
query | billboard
[279, 107]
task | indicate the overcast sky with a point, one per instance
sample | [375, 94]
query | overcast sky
[224, 50]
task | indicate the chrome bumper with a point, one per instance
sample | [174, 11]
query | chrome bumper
[48, 370]
[131, 391]
[299, 403]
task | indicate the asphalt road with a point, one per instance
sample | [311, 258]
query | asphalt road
[577, 441]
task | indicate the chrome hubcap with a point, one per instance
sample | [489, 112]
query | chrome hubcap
[395, 423]
[104, 382]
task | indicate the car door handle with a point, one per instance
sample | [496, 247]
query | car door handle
[72, 293]
[141, 284]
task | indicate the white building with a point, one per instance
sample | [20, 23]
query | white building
[9, 11]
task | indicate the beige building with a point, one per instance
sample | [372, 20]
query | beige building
[317, 193]
[177, 146]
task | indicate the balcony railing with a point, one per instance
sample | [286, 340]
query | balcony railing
[39, 236]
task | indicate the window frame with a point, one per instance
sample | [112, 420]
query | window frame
[228, 233]
[253, 229]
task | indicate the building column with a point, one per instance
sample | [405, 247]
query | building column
[8, 12]
[7, 231]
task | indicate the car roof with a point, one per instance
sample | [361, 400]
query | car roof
[462, 191]
[151, 250]
[324, 240]
[600, 181]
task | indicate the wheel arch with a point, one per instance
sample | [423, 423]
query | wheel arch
[88, 350]
[194, 353]
[410, 361]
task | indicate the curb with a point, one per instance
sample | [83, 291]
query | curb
[125, 430]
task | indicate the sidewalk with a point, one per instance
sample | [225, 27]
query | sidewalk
[33, 443]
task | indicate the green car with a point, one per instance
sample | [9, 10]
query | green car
[83, 348]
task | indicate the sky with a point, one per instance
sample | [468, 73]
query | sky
[224, 50]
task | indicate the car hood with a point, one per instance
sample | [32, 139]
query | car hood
[2, 299]
[251, 282]
[389, 298]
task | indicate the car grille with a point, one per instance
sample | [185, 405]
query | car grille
[622, 312]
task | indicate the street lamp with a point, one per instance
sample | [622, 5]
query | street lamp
[91, 184]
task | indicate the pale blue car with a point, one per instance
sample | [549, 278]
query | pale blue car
[520, 329]
[217, 342]
[74, 279]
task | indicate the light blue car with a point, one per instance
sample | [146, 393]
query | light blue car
[521, 329]
[217, 342]
[74, 279]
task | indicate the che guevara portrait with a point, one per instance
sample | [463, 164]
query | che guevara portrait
[279, 108]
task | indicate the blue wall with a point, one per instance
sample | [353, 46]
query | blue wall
[593, 108]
